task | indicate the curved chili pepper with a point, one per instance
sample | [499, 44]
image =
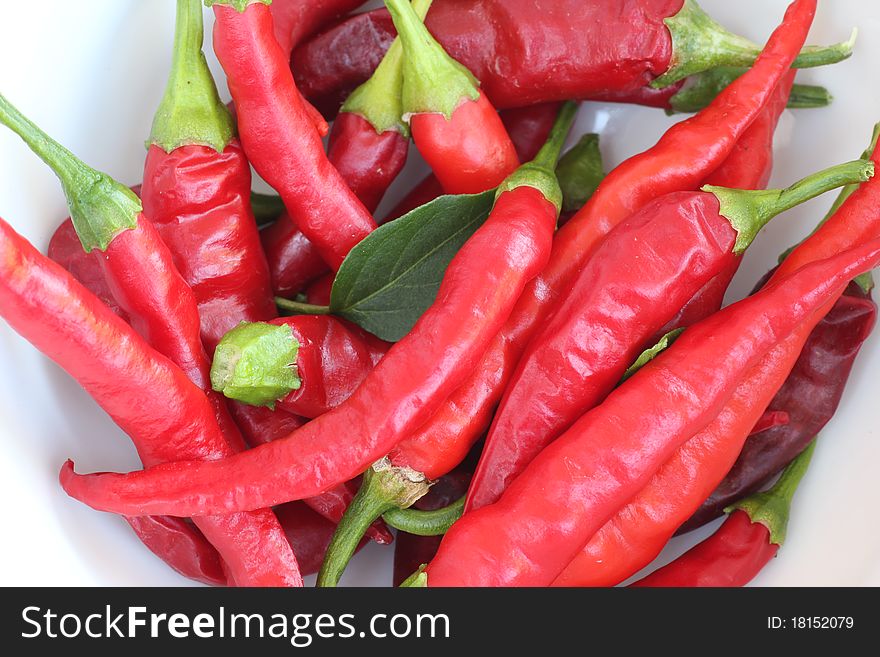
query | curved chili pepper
[330, 359]
[611, 453]
[683, 157]
[171, 418]
[404, 389]
[748, 166]
[262, 425]
[813, 391]
[388, 486]
[370, 141]
[454, 126]
[746, 542]
[637, 532]
[632, 539]
[611, 312]
[196, 191]
[605, 50]
[276, 132]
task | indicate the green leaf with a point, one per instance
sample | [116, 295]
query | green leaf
[392, 276]
[650, 354]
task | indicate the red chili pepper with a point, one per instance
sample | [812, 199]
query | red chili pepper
[66, 249]
[611, 453]
[196, 191]
[171, 418]
[802, 407]
[746, 542]
[683, 157]
[748, 166]
[295, 20]
[605, 50]
[370, 141]
[404, 389]
[637, 532]
[527, 127]
[262, 425]
[611, 311]
[635, 536]
[276, 133]
[812, 392]
[182, 546]
[454, 126]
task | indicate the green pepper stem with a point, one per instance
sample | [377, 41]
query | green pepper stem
[771, 508]
[418, 580]
[433, 82]
[579, 172]
[425, 523]
[191, 112]
[378, 100]
[866, 280]
[703, 88]
[749, 210]
[651, 353]
[700, 44]
[540, 173]
[255, 363]
[266, 207]
[385, 487]
[238, 5]
[100, 207]
[299, 308]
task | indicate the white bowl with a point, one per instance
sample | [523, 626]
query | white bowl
[91, 74]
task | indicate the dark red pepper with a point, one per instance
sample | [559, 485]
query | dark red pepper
[606, 50]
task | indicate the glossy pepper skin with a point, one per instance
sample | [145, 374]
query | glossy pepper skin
[606, 320]
[309, 534]
[368, 161]
[732, 556]
[333, 359]
[403, 390]
[808, 400]
[278, 137]
[296, 20]
[639, 530]
[171, 417]
[627, 48]
[262, 425]
[453, 124]
[748, 166]
[66, 249]
[631, 540]
[199, 200]
[611, 453]
[746, 542]
[527, 127]
[680, 161]
[182, 546]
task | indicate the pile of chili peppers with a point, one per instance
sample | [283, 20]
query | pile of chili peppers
[571, 392]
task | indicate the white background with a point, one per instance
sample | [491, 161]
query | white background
[92, 72]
